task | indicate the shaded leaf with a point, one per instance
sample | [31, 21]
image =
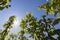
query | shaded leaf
[56, 21]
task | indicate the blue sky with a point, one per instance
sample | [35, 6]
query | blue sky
[19, 8]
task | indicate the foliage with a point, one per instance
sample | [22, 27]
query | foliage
[7, 27]
[37, 27]
[51, 7]
[4, 4]
[31, 25]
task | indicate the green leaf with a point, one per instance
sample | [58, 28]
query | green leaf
[1, 0]
[1, 8]
[56, 21]
[39, 8]
[21, 32]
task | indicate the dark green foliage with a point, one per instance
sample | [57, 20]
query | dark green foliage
[56, 21]
[4, 4]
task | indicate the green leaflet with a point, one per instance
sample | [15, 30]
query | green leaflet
[56, 21]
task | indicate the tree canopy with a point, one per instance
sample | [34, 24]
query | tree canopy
[51, 7]
[4, 4]
[31, 25]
